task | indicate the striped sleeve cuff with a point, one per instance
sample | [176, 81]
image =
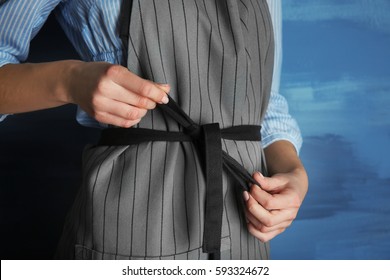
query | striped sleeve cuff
[2, 117]
[6, 58]
[85, 120]
[278, 124]
[294, 139]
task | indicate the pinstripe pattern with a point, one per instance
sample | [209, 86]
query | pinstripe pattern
[278, 124]
[91, 25]
[147, 201]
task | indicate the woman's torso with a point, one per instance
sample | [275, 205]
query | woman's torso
[146, 201]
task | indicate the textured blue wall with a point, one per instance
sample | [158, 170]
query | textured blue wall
[336, 78]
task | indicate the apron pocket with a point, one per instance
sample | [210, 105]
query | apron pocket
[85, 253]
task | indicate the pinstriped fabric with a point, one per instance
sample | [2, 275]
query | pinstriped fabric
[277, 122]
[92, 27]
[15, 35]
[147, 201]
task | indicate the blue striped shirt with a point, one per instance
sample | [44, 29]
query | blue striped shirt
[91, 26]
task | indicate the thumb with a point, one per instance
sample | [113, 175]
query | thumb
[164, 87]
[269, 183]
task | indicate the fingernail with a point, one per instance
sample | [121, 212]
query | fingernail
[261, 175]
[246, 195]
[165, 99]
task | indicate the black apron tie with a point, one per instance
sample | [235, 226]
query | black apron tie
[207, 140]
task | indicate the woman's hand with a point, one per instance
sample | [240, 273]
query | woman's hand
[271, 208]
[109, 93]
[112, 94]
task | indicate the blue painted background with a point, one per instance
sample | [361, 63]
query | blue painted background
[336, 77]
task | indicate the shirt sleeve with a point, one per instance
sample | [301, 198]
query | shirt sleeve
[20, 21]
[278, 124]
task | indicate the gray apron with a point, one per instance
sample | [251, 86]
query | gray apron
[147, 200]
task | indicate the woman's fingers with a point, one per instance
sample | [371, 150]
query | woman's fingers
[133, 83]
[268, 218]
[114, 95]
[119, 109]
[165, 87]
[263, 237]
[105, 117]
[263, 228]
[270, 184]
[123, 95]
[283, 200]
[264, 224]
[274, 192]
[272, 207]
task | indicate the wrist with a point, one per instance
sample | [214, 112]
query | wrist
[281, 157]
[68, 80]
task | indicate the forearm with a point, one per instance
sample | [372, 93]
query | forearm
[34, 86]
[281, 157]
[109, 93]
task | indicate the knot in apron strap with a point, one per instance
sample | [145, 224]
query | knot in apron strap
[207, 140]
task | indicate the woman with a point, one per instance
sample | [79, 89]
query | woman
[150, 199]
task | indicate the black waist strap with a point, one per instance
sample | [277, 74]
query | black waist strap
[207, 139]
